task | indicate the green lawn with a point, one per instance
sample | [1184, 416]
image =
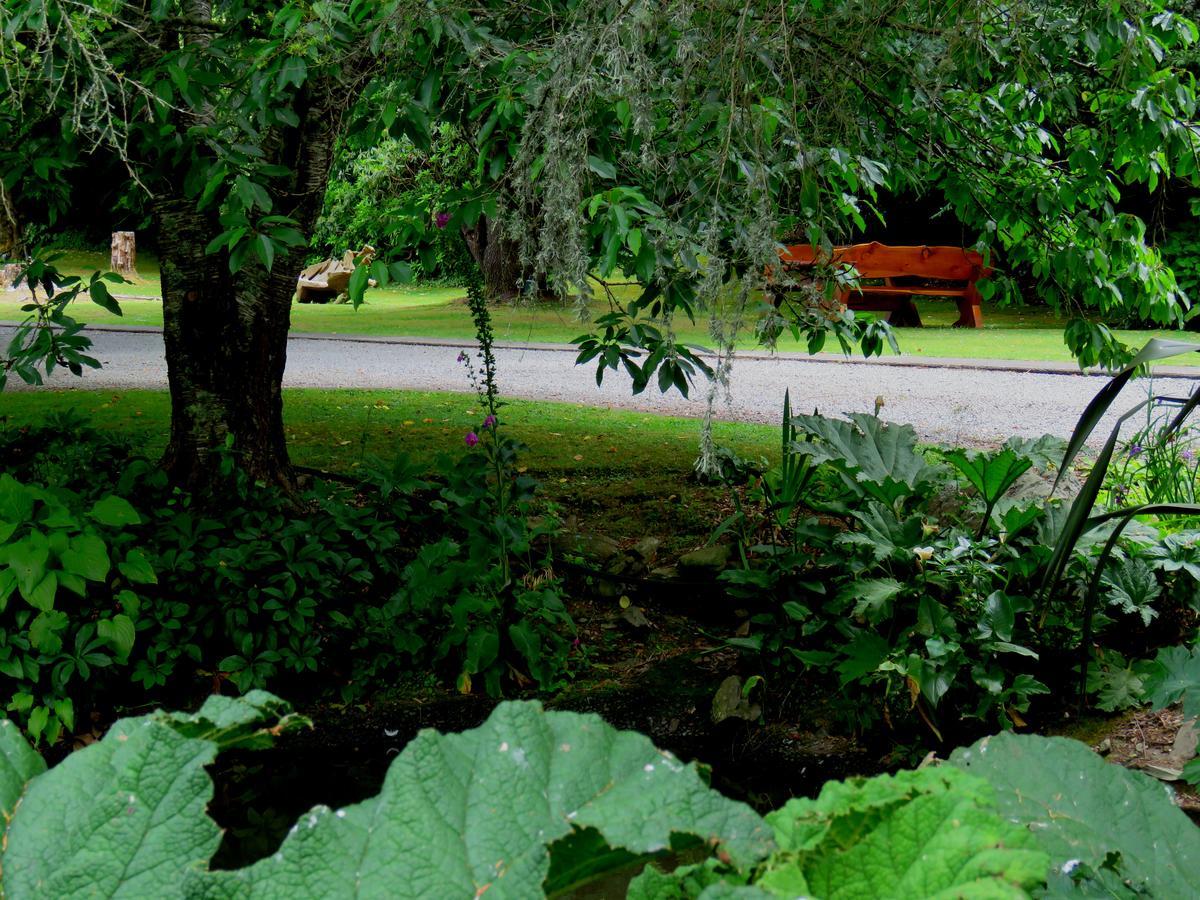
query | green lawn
[338, 430]
[440, 312]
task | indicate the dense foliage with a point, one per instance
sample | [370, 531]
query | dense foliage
[948, 584]
[532, 803]
[115, 586]
[389, 196]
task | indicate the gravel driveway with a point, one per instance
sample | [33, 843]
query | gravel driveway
[972, 406]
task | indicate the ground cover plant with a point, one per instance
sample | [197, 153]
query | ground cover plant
[1009, 816]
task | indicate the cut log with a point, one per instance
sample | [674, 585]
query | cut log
[124, 254]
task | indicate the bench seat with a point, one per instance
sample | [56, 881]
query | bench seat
[880, 261]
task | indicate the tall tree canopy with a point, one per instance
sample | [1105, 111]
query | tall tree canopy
[672, 142]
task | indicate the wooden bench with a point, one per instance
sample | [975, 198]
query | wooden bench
[926, 272]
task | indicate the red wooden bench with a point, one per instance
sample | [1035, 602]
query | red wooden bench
[925, 272]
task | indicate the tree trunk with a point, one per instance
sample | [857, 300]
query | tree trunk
[10, 229]
[499, 261]
[123, 258]
[226, 346]
[226, 334]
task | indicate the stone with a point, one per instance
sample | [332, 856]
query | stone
[707, 561]
[596, 547]
[728, 703]
[647, 549]
[1035, 484]
[635, 618]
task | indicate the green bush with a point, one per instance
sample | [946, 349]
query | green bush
[114, 585]
[914, 580]
[388, 196]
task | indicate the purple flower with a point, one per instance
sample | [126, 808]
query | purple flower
[442, 219]
[1189, 454]
[489, 422]
[472, 439]
[462, 356]
[1135, 449]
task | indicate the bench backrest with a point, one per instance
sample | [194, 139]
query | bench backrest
[877, 260]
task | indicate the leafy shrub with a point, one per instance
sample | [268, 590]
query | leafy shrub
[533, 803]
[70, 571]
[388, 195]
[113, 583]
[919, 587]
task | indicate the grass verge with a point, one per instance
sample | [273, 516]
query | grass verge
[339, 430]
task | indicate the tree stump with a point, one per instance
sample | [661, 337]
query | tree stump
[124, 253]
[8, 275]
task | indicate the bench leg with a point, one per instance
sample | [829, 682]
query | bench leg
[970, 314]
[906, 314]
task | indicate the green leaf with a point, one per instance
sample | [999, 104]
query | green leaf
[45, 630]
[930, 833]
[875, 459]
[602, 167]
[102, 298]
[118, 632]
[266, 251]
[114, 511]
[1132, 587]
[27, 558]
[87, 557]
[1082, 810]
[19, 763]
[446, 822]
[43, 594]
[873, 597]
[126, 815]
[1173, 676]
[137, 568]
[992, 474]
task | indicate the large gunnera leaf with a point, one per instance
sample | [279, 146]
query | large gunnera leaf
[932, 833]
[124, 817]
[923, 834]
[1109, 831]
[875, 459]
[464, 814]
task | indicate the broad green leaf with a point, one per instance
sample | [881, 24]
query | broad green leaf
[45, 630]
[875, 459]
[464, 814]
[87, 557]
[930, 833]
[125, 816]
[137, 568]
[114, 511]
[872, 596]
[118, 632]
[18, 764]
[1132, 587]
[1081, 809]
[989, 473]
[27, 558]
[1173, 676]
